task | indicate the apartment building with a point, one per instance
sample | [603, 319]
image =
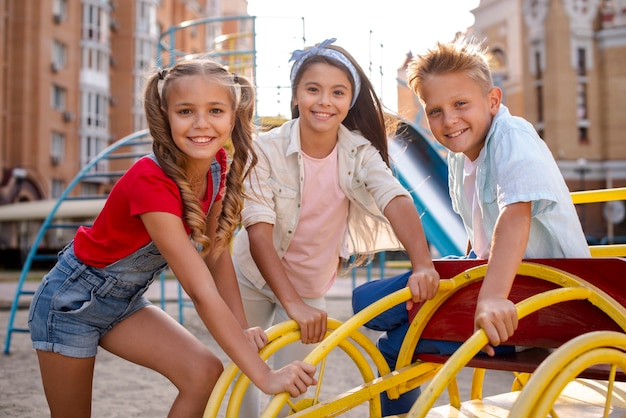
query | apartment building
[71, 83]
[71, 80]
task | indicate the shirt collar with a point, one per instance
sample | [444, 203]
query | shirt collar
[347, 138]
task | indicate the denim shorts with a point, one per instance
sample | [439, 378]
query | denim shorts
[75, 305]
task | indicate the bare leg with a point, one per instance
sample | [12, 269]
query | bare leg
[67, 384]
[151, 338]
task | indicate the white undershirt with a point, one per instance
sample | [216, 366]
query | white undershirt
[480, 241]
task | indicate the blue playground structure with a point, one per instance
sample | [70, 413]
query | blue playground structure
[421, 168]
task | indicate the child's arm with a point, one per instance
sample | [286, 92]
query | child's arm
[223, 272]
[406, 223]
[168, 233]
[495, 313]
[312, 321]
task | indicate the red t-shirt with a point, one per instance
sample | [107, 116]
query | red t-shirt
[118, 230]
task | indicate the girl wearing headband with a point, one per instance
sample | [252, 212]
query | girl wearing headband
[186, 189]
[321, 192]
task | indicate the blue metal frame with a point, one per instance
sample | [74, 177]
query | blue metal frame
[137, 138]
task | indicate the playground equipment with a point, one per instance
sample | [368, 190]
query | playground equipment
[572, 321]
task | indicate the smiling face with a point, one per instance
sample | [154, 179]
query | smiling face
[459, 111]
[201, 116]
[323, 97]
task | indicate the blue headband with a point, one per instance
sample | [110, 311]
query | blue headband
[301, 55]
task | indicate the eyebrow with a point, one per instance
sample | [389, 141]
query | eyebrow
[214, 103]
[334, 86]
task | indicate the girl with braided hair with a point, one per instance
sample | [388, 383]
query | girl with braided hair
[185, 189]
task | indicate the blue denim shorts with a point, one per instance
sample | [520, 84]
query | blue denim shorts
[75, 305]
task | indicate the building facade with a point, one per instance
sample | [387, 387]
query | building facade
[71, 83]
[72, 73]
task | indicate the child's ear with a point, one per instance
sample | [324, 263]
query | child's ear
[495, 98]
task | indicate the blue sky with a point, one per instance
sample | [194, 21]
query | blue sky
[378, 34]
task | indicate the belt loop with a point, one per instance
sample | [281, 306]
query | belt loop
[77, 271]
[106, 287]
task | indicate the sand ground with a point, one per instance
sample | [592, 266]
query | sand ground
[123, 389]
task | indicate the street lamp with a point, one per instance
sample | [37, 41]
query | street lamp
[582, 169]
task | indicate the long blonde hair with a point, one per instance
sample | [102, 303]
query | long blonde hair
[174, 162]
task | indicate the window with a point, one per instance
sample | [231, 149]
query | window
[91, 146]
[57, 148]
[95, 23]
[581, 62]
[56, 188]
[581, 101]
[96, 58]
[94, 110]
[90, 189]
[58, 97]
[539, 87]
[147, 31]
[146, 18]
[145, 51]
[583, 135]
[582, 108]
[59, 10]
[539, 90]
[59, 53]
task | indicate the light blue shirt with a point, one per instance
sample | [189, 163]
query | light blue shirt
[515, 165]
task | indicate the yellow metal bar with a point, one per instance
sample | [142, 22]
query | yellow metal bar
[544, 402]
[479, 339]
[600, 195]
[608, 250]
[476, 391]
[562, 359]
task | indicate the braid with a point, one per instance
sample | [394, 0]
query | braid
[243, 160]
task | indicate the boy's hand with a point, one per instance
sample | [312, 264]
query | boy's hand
[498, 317]
[256, 336]
[294, 378]
[424, 283]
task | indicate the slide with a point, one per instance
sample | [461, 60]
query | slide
[421, 168]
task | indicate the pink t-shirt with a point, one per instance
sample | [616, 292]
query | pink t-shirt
[312, 258]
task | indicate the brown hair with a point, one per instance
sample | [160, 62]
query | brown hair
[174, 162]
[367, 115]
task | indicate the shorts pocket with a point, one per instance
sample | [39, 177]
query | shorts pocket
[72, 296]
[33, 304]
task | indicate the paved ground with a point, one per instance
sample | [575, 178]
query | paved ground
[125, 390]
